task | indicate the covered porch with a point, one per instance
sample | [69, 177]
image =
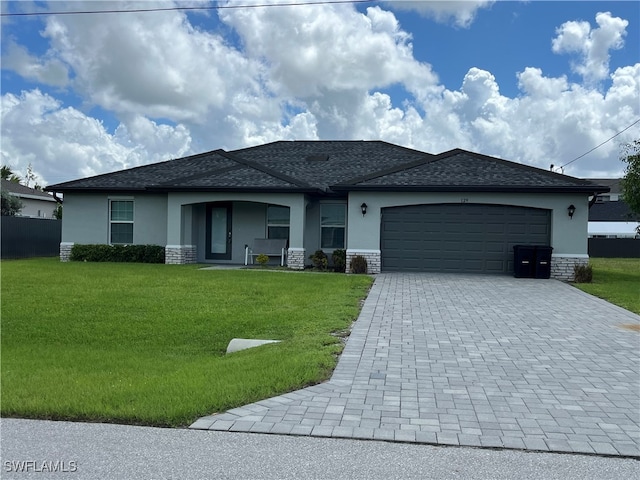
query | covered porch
[216, 227]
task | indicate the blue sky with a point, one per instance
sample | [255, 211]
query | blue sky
[533, 82]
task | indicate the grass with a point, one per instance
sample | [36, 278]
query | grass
[617, 280]
[145, 344]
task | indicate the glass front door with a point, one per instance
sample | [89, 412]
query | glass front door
[219, 231]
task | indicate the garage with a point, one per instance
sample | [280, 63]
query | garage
[459, 238]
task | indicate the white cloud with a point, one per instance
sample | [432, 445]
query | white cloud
[316, 49]
[63, 143]
[48, 70]
[157, 65]
[460, 13]
[309, 72]
[552, 122]
[593, 45]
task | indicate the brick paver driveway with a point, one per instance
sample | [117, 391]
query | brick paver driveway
[472, 360]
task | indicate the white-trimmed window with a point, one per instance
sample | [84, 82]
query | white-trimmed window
[277, 222]
[333, 217]
[121, 221]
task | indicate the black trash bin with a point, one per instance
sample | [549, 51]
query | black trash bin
[524, 259]
[543, 262]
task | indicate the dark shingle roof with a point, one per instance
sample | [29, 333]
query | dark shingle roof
[344, 159]
[322, 166]
[141, 178]
[20, 190]
[460, 170]
[613, 183]
[612, 212]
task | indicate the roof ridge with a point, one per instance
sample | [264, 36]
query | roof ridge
[516, 164]
[389, 171]
[263, 169]
[137, 167]
[202, 174]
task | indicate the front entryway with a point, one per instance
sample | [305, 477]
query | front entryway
[219, 231]
[459, 238]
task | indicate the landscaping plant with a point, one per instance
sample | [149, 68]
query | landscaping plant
[262, 259]
[582, 273]
[319, 260]
[339, 258]
[358, 264]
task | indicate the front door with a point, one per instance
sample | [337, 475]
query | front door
[218, 231]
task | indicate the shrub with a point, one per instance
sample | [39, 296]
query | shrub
[339, 258]
[582, 273]
[10, 205]
[319, 260]
[358, 264]
[262, 259]
[117, 253]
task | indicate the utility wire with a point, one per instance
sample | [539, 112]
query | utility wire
[598, 146]
[166, 9]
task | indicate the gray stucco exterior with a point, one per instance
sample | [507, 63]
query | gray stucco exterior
[86, 218]
[568, 235]
[173, 201]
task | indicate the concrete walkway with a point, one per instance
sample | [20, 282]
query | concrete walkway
[485, 361]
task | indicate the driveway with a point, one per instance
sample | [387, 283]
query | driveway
[486, 361]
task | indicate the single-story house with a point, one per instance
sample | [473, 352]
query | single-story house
[402, 209]
[35, 203]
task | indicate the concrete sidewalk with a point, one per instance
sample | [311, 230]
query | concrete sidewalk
[483, 361]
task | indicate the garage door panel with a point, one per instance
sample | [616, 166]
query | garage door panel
[495, 265]
[539, 229]
[459, 237]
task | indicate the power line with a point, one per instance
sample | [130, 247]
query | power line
[167, 9]
[598, 146]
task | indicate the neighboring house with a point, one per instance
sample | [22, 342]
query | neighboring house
[404, 210]
[610, 216]
[35, 203]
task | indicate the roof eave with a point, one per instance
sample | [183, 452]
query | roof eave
[165, 189]
[596, 189]
[63, 189]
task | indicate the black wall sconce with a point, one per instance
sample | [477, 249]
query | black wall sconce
[363, 208]
[571, 209]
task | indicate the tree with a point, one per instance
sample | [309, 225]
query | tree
[57, 213]
[631, 181]
[7, 174]
[30, 176]
[10, 205]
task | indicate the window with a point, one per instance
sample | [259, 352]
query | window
[121, 221]
[332, 225]
[277, 222]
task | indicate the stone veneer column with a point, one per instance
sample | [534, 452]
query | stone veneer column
[65, 251]
[295, 258]
[562, 266]
[180, 254]
[373, 259]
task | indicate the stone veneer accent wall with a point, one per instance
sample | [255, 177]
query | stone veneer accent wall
[295, 258]
[179, 254]
[562, 266]
[65, 251]
[373, 259]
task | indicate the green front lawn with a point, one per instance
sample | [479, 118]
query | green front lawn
[617, 280]
[145, 344]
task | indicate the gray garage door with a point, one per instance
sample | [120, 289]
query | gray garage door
[465, 238]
